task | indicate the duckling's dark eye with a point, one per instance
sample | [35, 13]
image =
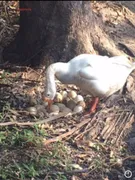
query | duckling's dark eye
[48, 95]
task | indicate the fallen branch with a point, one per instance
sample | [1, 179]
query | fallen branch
[34, 123]
[85, 170]
[130, 157]
[62, 136]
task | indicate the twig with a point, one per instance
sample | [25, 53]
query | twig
[7, 13]
[132, 157]
[62, 136]
[85, 130]
[125, 126]
[2, 31]
[111, 127]
[34, 123]
[85, 170]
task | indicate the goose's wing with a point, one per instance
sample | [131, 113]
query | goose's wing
[92, 73]
[88, 73]
[94, 80]
[106, 68]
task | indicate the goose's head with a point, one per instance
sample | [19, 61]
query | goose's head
[50, 92]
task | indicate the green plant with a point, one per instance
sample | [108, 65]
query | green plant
[35, 160]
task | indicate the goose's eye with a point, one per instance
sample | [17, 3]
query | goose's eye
[48, 95]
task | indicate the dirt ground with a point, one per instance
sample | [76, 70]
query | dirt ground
[108, 139]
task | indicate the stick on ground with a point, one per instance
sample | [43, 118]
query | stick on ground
[62, 136]
[34, 123]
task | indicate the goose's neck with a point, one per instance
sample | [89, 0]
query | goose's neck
[54, 70]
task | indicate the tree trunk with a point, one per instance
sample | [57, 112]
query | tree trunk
[57, 31]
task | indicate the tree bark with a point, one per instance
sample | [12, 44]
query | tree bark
[57, 31]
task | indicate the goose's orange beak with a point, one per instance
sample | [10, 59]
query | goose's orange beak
[48, 100]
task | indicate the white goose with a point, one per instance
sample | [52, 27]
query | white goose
[100, 76]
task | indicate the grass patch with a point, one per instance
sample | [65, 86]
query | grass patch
[23, 155]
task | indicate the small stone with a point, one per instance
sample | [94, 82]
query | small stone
[58, 98]
[78, 109]
[32, 111]
[64, 94]
[66, 110]
[45, 104]
[81, 103]
[54, 108]
[71, 104]
[66, 100]
[72, 94]
[39, 107]
[61, 106]
[32, 101]
[43, 126]
[119, 162]
[53, 113]
[78, 98]
[41, 114]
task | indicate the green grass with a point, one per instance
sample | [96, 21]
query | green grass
[23, 155]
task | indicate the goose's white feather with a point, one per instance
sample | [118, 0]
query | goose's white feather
[97, 75]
